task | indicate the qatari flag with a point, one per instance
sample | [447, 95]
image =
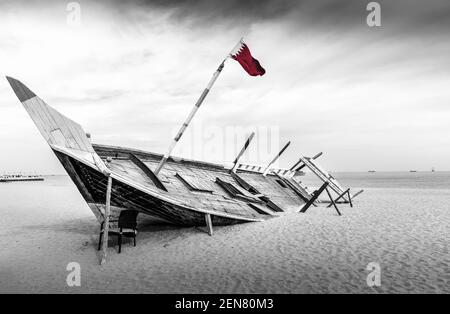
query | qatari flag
[243, 55]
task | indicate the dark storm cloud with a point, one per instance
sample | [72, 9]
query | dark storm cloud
[246, 12]
[406, 15]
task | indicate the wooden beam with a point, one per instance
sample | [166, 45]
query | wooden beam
[314, 197]
[341, 196]
[359, 192]
[209, 224]
[244, 184]
[295, 165]
[247, 143]
[266, 171]
[106, 221]
[294, 189]
[332, 202]
[350, 198]
[148, 172]
[303, 165]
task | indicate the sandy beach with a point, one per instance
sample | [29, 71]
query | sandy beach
[46, 225]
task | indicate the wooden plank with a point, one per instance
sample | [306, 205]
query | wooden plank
[323, 175]
[47, 120]
[303, 165]
[357, 193]
[332, 202]
[295, 165]
[106, 223]
[235, 192]
[261, 210]
[209, 224]
[339, 197]
[244, 183]
[247, 143]
[30, 108]
[314, 197]
[148, 172]
[266, 171]
[298, 192]
[193, 184]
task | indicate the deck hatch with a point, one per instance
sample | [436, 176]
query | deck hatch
[280, 182]
[193, 183]
[236, 192]
[259, 210]
[244, 184]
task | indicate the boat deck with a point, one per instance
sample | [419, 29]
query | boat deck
[203, 186]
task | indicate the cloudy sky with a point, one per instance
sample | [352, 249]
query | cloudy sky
[130, 72]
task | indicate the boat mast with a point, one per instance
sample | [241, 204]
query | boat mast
[247, 143]
[194, 110]
[275, 159]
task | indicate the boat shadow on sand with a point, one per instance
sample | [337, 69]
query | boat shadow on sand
[150, 232]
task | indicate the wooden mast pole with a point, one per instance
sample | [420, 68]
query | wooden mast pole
[275, 159]
[247, 143]
[194, 110]
[295, 165]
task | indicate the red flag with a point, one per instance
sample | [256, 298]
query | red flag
[245, 59]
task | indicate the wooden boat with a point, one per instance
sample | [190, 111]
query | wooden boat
[19, 177]
[184, 192]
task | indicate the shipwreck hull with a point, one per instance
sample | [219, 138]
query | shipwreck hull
[185, 192]
[92, 185]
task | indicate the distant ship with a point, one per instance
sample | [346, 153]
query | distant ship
[19, 177]
[372, 171]
[412, 170]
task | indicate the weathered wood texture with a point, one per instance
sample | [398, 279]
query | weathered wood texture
[314, 197]
[209, 224]
[93, 184]
[55, 127]
[106, 218]
[136, 186]
[209, 194]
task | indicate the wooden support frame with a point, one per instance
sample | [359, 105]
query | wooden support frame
[316, 194]
[209, 224]
[303, 165]
[334, 185]
[346, 192]
[332, 202]
[314, 197]
[106, 221]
